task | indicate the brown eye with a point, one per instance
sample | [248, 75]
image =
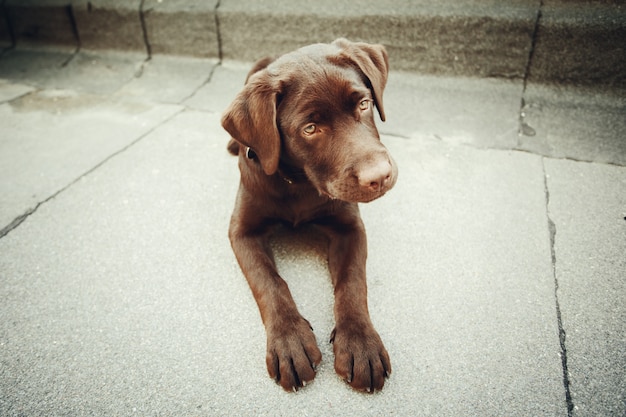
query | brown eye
[309, 129]
[364, 105]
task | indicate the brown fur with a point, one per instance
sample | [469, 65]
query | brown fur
[309, 151]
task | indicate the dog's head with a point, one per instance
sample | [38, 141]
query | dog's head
[313, 110]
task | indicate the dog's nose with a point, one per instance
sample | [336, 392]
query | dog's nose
[376, 176]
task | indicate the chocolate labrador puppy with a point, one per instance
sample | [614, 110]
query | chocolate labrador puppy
[309, 151]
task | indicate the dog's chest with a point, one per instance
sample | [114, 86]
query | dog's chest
[305, 208]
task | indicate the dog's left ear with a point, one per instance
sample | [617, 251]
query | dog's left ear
[373, 62]
[251, 119]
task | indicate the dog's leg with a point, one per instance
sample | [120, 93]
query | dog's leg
[292, 352]
[360, 356]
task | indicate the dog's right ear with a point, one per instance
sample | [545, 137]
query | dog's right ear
[251, 119]
[372, 61]
[261, 64]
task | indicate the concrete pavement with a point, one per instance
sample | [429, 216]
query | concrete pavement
[496, 267]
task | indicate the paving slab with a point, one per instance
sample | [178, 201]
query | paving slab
[422, 105]
[473, 278]
[577, 123]
[170, 79]
[588, 208]
[98, 73]
[227, 79]
[117, 338]
[33, 67]
[10, 91]
[51, 137]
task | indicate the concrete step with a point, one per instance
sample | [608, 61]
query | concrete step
[573, 41]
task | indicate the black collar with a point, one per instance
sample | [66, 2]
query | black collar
[289, 174]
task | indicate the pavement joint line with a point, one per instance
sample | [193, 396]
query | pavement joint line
[146, 40]
[218, 32]
[562, 333]
[25, 94]
[206, 82]
[533, 44]
[442, 138]
[524, 128]
[399, 136]
[144, 30]
[72, 18]
[556, 158]
[19, 219]
[22, 217]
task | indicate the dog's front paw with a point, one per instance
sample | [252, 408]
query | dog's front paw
[292, 354]
[360, 357]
